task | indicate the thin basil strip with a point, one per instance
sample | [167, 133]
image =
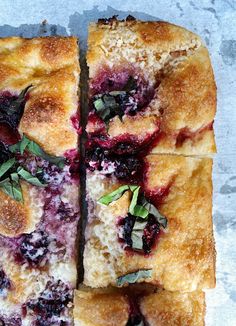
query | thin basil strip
[29, 177]
[161, 219]
[134, 199]
[140, 211]
[137, 234]
[134, 277]
[4, 167]
[113, 196]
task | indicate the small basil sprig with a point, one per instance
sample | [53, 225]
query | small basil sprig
[134, 277]
[11, 184]
[111, 104]
[27, 144]
[141, 210]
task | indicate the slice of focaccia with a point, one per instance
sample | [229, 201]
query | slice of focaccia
[149, 221]
[38, 179]
[151, 87]
[111, 308]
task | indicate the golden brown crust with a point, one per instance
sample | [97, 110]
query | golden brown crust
[177, 61]
[186, 246]
[16, 217]
[51, 66]
[100, 309]
[174, 309]
[159, 309]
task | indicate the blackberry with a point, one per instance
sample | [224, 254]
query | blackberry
[150, 233]
[129, 221]
[52, 301]
[4, 281]
[129, 169]
[34, 247]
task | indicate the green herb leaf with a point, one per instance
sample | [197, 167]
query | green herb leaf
[134, 199]
[140, 211]
[12, 189]
[14, 177]
[4, 167]
[137, 234]
[29, 177]
[161, 219]
[134, 277]
[113, 196]
[34, 148]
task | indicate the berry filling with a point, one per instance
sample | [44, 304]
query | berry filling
[5, 283]
[52, 302]
[118, 93]
[138, 235]
[33, 248]
[12, 321]
[125, 168]
[135, 316]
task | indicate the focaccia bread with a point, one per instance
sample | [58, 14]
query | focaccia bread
[112, 308]
[38, 179]
[170, 245]
[151, 87]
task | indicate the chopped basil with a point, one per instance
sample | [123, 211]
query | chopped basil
[27, 144]
[4, 167]
[114, 103]
[161, 219]
[29, 177]
[12, 188]
[134, 277]
[134, 200]
[113, 196]
[137, 234]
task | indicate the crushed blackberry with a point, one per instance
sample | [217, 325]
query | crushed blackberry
[52, 301]
[12, 108]
[12, 321]
[128, 168]
[4, 153]
[128, 223]
[65, 212]
[34, 247]
[150, 233]
[5, 283]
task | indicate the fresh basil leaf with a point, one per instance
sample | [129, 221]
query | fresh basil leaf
[14, 177]
[29, 177]
[99, 104]
[137, 234]
[23, 144]
[161, 219]
[113, 196]
[134, 277]
[12, 189]
[4, 167]
[34, 148]
[140, 211]
[134, 199]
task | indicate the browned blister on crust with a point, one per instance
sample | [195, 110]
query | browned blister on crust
[181, 189]
[176, 64]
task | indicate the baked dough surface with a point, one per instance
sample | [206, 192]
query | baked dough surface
[51, 66]
[184, 259]
[176, 63]
[111, 308]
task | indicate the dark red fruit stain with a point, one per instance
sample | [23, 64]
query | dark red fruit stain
[4, 281]
[73, 159]
[135, 315]
[75, 122]
[33, 248]
[52, 301]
